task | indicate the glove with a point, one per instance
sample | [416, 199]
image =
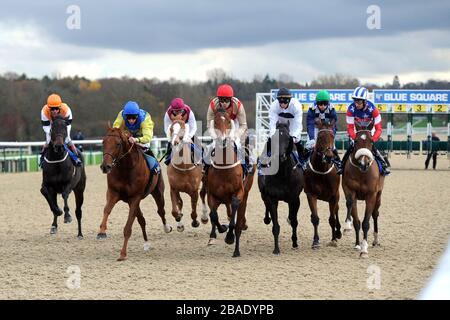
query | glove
[186, 138]
[296, 140]
[310, 144]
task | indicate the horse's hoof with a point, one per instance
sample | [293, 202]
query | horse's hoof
[229, 239]
[223, 228]
[204, 221]
[67, 219]
[195, 224]
[236, 254]
[364, 255]
[180, 228]
[347, 231]
[338, 234]
[122, 258]
[53, 230]
[146, 246]
[168, 228]
[357, 247]
[80, 237]
[267, 220]
[211, 242]
[295, 247]
[59, 212]
[376, 244]
[332, 243]
[101, 236]
[245, 227]
[276, 252]
[315, 245]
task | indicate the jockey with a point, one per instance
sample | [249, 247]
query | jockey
[138, 123]
[55, 107]
[176, 108]
[225, 98]
[363, 110]
[286, 108]
[321, 109]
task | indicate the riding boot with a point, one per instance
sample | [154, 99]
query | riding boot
[337, 161]
[77, 160]
[41, 159]
[301, 154]
[168, 154]
[385, 168]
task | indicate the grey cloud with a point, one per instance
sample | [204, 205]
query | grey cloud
[183, 26]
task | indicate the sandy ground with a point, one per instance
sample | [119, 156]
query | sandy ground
[414, 228]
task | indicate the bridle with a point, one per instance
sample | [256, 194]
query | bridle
[355, 152]
[120, 157]
[322, 154]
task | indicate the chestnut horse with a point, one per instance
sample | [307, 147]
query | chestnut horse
[322, 182]
[362, 181]
[225, 180]
[130, 180]
[184, 174]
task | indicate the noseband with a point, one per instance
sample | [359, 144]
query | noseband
[120, 157]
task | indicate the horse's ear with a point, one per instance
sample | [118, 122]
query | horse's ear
[288, 124]
[108, 125]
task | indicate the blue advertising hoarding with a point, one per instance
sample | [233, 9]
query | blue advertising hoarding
[417, 101]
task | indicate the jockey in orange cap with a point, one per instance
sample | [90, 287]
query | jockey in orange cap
[55, 107]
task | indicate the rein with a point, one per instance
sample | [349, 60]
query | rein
[116, 160]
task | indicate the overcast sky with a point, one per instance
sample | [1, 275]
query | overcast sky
[185, 39]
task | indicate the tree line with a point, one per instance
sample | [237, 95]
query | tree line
[95, 102]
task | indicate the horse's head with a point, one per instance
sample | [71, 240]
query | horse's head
[223, 128]
[58, 133]
[177, 130]
[363, 145]
[115, 144]
[325, 139]
[285, 142]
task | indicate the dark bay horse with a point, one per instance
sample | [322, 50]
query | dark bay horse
[285, 185]
[322, 182]
[130, 180]
[362, 181]
[225, 180]
[184, 174]
[59, 175]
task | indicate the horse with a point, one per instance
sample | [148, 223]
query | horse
[362, 181]
[225, 180]
[130, 180]
[61, 176]
[185, 175]
[285, 185]
[322, 182]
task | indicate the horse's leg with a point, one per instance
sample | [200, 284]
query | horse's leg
[350, 199]
[238, 217]
[375, 215]
[273, 207]
[333, 220]
[79, 199]
[65, 196]
[267, 219]
[174, 194]
[204, 219]
[370, 206]
[134, 206]
[213, 203]
[50, 196]
[142, 223]
[293, 212]
[312, 201]
[111, 199]
[194, 200]
[158, 195]
[229, 239]
[356, 223]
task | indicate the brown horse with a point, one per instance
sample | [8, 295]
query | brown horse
[362, 181]
[184, 174]
[225, 180]
[130, 180]
[322, 182]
